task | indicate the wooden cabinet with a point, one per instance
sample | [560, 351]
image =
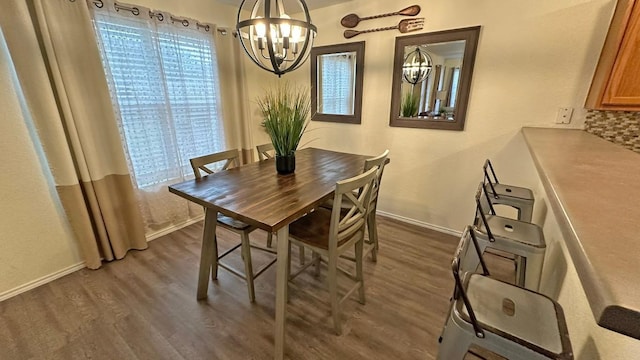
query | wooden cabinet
[616, 82]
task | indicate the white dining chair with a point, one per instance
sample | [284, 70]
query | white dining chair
[330, 233]
[230, 158]
[265, 151]
[371, 242]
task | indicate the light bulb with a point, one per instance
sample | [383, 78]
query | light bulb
[261, 28]
[296, 32]
[274, 33]
[285, 27]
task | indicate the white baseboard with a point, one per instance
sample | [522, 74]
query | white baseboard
[41, 281]
[423, 224]
[173, 228]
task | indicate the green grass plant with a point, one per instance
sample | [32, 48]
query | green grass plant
[285, 110]
[409, 106]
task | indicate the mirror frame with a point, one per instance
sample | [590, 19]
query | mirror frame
[358, 48]
[470, 35]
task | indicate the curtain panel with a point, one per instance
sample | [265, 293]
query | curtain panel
[57, 59]
[58, 66]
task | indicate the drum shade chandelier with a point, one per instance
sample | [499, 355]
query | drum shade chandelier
[417, 66]
[273, 40]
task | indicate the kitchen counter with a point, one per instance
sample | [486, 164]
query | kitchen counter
[593, 188]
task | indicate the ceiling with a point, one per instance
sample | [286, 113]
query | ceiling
[312, 4]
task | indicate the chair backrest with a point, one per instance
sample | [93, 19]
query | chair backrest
[230, 157]
[379, 163]
[466, 260]
[480, 211]
[265, 151]
[490, 177]
[356, 193]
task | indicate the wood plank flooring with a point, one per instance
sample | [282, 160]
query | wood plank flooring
[144, 306]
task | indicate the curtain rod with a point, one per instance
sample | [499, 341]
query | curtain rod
[158, 15]
[134, 10]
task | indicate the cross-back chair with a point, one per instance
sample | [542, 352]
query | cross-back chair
[330, 233]
[230, 158]
[371, 243]
[265, 151]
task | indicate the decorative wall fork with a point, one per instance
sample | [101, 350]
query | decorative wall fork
[404, 26]
[352, 20]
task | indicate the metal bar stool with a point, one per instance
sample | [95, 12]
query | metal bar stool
[513, 322]
[517, 197]
[523, 239]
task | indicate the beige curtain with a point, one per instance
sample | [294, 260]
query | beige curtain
[59, 68]
[235, 102]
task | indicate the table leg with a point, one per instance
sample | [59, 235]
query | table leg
[281, 290]
[208, 254]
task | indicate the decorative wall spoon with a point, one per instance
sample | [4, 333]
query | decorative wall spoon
[403, 26]
[352, 20]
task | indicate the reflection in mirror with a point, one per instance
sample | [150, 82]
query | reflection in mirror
[435, 95]
[336, 78]
[336, 83]
[432, 77]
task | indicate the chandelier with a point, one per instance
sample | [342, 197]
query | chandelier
[272, 39]
[417, 66]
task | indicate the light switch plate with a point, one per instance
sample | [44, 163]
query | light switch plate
[564, 115]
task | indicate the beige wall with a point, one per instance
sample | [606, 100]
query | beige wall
[532, 58]
[35, 239]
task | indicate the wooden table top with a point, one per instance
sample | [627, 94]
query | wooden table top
[593, 187]
[257, 195]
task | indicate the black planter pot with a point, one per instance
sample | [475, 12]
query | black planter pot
[285, 164]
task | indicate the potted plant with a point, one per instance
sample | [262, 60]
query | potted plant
[409, 107]
[285, 110]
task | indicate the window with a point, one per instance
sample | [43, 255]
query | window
[164, 87]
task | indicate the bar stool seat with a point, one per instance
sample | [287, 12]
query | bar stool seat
[511, 191]
[513, 230]
[525, 315]
[520, 198]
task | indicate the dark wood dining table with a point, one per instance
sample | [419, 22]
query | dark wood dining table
[257, 195]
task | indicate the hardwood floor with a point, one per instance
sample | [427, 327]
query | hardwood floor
[144, 307]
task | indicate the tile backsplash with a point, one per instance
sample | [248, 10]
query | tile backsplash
[620, 127]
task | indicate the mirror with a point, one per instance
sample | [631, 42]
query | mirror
[336, 82]
[432, 79]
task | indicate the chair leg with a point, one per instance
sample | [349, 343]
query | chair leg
[533, 269]
[359, 273]
[248, 267]
[214, 265]
[288, 274]
[373, 235]
[455, 342]
[333, 293]
[301, 252]
[521, 264]
[316, 259]
[269, 239]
